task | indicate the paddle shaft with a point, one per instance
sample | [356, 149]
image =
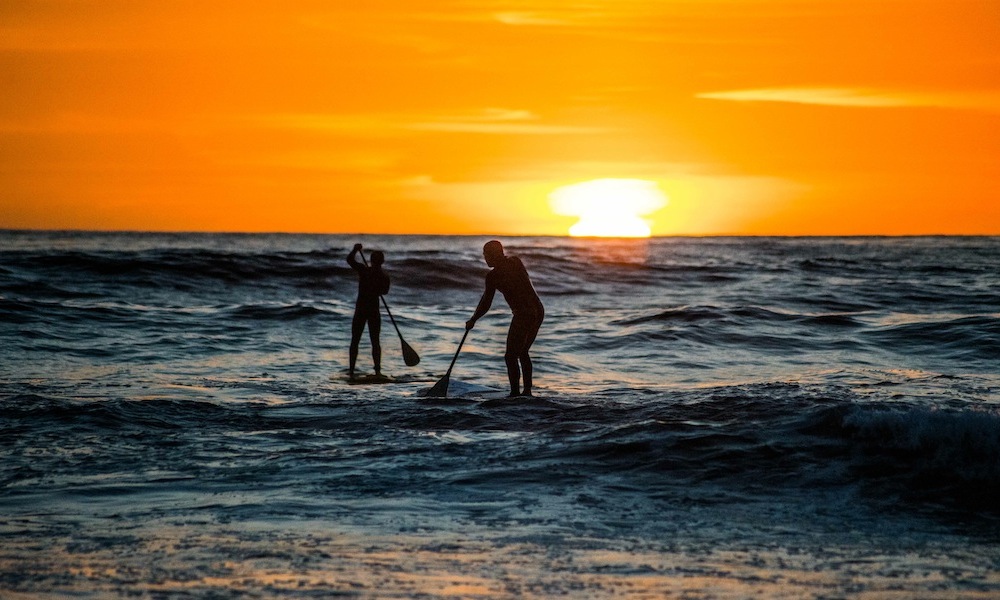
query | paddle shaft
[454, 358]
[440, 389]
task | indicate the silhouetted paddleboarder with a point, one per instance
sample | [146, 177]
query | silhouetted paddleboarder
[372, 283]
[510, 277]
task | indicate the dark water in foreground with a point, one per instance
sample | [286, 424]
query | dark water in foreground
[718, 417]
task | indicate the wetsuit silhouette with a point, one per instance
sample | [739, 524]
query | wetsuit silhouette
[509, 276]
[372, 283]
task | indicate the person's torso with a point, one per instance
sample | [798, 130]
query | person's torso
[372, 283]
[513, 282]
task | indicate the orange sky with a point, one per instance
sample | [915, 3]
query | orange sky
[794, 117]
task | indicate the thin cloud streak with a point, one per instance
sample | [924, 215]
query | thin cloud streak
[497, 121]
[856, 97]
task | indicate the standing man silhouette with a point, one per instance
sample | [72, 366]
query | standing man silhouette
[372, 283]
[510, 277]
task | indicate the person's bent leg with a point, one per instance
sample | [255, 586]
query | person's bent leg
[515, 349]
[525, 360]
[513, 373]
[526, 369]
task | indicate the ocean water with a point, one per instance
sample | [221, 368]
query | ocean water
[715, 418]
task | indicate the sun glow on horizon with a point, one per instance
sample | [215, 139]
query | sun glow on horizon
[609, 207]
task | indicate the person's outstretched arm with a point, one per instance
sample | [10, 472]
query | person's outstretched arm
[351, 258]
[484, 304]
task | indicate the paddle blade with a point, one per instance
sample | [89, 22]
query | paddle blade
[440, 389]
[410, 356]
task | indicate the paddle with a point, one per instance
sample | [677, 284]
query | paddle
[440, 389]
[410, 356]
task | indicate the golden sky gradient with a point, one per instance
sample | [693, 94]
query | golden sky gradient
[789, 117]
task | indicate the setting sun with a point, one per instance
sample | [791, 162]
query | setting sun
[609, 207]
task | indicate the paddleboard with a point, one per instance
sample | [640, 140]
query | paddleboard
[369, 379]
[468, 390]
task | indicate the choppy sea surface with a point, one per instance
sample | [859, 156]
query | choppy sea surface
[715, 418]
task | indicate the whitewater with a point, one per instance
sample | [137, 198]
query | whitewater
[714, 418]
